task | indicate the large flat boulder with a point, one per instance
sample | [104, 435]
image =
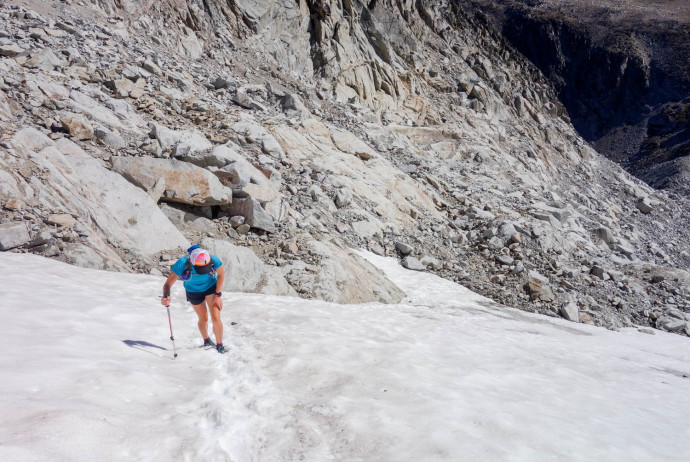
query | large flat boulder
[184, 182]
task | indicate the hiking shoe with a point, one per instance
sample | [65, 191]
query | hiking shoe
[208, 343]
[220, 348]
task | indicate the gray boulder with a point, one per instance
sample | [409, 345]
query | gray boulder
[670, 324]
[538, 291]
[180, 142]
[571, 312]
[605, 235]
[255, 216]
[256, 134]
[245, 272]
[403, 248]
[505, 260]
[294, 107]
[219, 156]
[13, 235]
[412, 263]
[644, 205]
[44, 60]
[344, 277]
[81, 255]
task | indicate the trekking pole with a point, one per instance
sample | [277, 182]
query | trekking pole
[171, 332]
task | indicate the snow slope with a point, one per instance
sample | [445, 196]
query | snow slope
[87, 374]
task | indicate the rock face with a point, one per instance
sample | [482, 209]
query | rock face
[633, 104]
[411, 129]
[109, 208]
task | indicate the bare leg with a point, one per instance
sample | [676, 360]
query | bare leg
[215, 319]
[202, 313]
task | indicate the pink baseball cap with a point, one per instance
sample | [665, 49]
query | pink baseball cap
[201, 260]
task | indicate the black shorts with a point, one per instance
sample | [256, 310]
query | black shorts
[196, 298]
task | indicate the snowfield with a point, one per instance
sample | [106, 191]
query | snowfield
[87, 373]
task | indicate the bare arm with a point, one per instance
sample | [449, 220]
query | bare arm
[165, 300]
[221, 278]
[218, 301]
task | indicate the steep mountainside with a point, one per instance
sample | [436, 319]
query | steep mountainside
[282, 134]
[622, 70]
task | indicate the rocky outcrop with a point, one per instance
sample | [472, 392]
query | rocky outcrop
[621, 70]
[404, 128]
[244, 272]
[102, 205]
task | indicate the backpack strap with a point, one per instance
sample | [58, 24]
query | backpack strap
[187, 273]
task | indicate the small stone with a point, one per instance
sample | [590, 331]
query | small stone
[236, 221]
[505, 260]
[44, 60]
[644, 205]
[121, 87]
[13, 235]
[243, 229]
[40, 239]
[14, 204]
[571, 312]
[151, 67]
[539, 291]
[412, 263]
[62, 219]
[78, 126]
[599, 272]
[11, 50]
[377, 249]
[403, 248]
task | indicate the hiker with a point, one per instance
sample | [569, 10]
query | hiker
[202, 275]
